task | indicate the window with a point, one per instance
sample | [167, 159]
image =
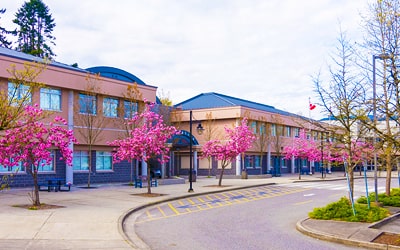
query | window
[18, 168]
[18, 93]
[110, 107]
[81, 161]
[87, 104]
[103, 160]
[273, 129]
[288, 131]
[252, 161]
[130, 108]
[50, 99]
[296, 132]
[254, 127]
[43, 167]
[262, 129]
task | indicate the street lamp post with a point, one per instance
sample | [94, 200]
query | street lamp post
[199, 131]
[374, 57]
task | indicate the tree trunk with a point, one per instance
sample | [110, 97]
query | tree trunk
[36, 199]
[220, 176]
[388, 171]
[209, 166]
[89, 165]
[350, 172]
[148, 180]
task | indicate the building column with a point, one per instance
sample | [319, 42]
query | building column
[144, 168]
[69, 170]
[238, 165]
[293, 165]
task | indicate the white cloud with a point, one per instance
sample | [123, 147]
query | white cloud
[264, 51]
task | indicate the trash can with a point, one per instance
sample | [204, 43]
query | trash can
[194, 174]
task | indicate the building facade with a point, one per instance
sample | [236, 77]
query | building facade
[95, 100]
[273, 128]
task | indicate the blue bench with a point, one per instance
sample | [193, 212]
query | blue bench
[139, 182]
[55, 184]
[48, 187]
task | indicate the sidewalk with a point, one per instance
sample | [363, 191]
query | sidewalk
[94, 218]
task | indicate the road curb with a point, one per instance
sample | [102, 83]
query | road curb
[333, 238]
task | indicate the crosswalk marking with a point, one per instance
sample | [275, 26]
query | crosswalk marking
[329, 186]
[212, 201]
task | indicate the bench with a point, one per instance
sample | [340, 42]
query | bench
[54, 184]
[139, 182]
[48, 186]
[153, 182]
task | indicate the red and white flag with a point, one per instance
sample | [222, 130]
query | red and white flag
[311, 106]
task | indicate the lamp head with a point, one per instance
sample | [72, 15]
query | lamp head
[199, 129]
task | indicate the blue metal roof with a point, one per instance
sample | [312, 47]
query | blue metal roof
[28, 57]
[215, 100]
[115, 73]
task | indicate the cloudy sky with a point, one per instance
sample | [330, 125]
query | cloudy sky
[260, 50]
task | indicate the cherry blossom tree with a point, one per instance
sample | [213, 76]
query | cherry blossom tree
[148, 139]
[238, 140]
[302, 148]
[30, 142]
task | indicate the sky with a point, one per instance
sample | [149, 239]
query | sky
[264, 51]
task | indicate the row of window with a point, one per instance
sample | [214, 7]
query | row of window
[80, 163]
[50, 99]
[260, 128]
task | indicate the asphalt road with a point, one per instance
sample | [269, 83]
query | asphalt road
[256, 218]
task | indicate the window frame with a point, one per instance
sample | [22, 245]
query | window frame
[101, 160]
[78, 154]
[84, 101]
[49, 95]
[110, 107]
[130, 112]
[18, 91]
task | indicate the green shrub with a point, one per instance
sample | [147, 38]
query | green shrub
[392, 200]
[342, 210]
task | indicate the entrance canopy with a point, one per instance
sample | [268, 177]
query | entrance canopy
[182, 139]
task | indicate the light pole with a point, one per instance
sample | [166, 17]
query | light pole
[199, 131]
[374, 57]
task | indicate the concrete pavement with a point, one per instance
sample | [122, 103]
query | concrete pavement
[102, 217]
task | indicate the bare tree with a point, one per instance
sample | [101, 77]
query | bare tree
[382, 25]
[90, 117]
[343, 98]
[210, 133]
[128, 110]
[22, 84]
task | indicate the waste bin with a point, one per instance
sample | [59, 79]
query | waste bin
[194, 174]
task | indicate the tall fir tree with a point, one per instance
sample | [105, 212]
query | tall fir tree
[3, 33]
[35, 29]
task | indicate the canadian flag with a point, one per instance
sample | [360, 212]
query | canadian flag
[312, 106]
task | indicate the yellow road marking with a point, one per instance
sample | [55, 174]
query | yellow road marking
[226, 200]
[173, 209]
[303, 202]
[161, 211]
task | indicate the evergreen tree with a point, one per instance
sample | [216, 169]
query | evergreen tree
[35, 27]
[3, 32]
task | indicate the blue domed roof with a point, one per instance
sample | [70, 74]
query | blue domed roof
[115, 73]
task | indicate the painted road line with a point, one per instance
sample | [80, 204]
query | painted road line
[173, 209]
[161, 211]
[210, 201]
[303, 202]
